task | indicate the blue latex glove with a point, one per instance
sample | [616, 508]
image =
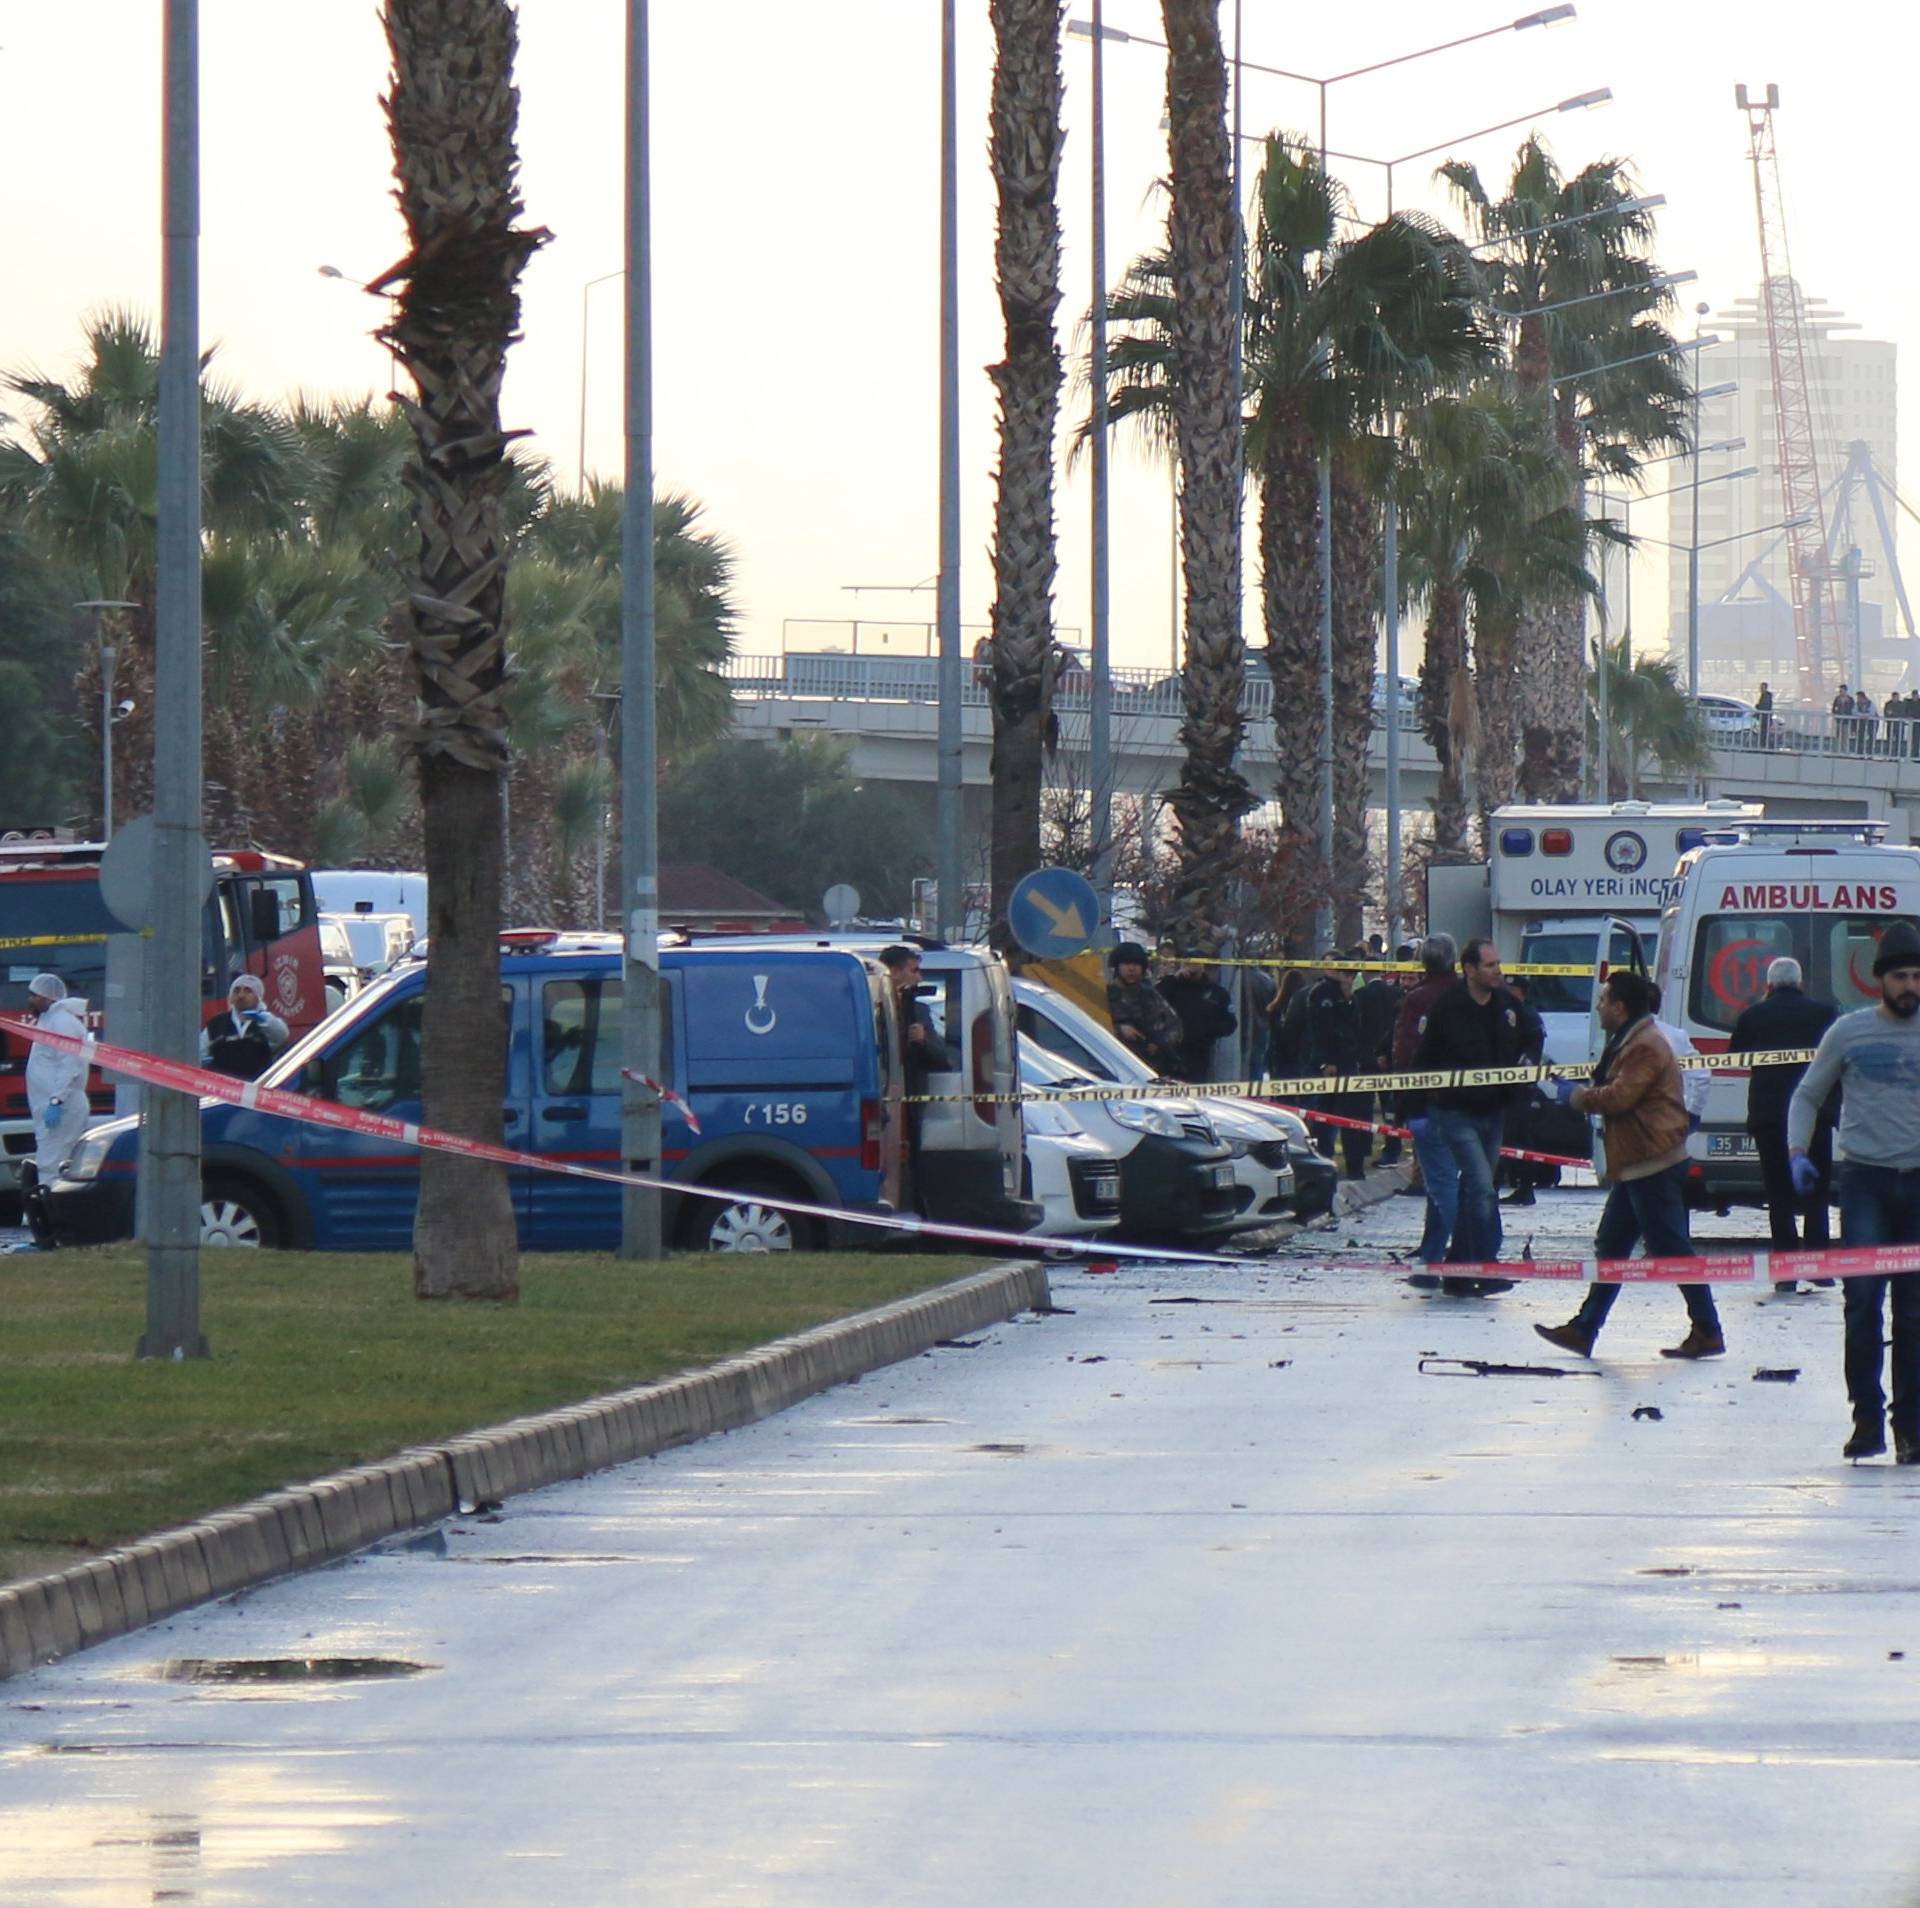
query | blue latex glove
[1563, 1090]
[55, 1104]
[1806, 1175]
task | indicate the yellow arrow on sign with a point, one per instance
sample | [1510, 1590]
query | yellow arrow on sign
[1065, 920]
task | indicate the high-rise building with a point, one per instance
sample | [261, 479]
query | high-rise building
[1746, 599]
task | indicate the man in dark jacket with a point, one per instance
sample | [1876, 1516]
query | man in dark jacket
[1379, 997]
[925, 1051]
[1140, 1014]
[1784, 1017]
[1205, 1009]
[1332, 1039]
[1476, 1024]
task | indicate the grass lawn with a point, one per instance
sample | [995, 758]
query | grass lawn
[323, 1359]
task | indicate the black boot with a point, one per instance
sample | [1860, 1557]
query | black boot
[1906, 1446]
[1869, 1438]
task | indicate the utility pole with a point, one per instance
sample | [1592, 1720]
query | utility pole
[639, 801]
[170, 1129]
[1100, 737]
[947, 795]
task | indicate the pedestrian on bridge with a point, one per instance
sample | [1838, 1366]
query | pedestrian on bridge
[1873, 1055]
[1637, 1092]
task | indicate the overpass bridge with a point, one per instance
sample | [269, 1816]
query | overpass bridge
[886, 709]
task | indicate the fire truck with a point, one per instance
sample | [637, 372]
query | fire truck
[259, 919]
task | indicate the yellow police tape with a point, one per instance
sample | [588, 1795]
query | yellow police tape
[1316, 1084]
[1333, 964]
[48, 940]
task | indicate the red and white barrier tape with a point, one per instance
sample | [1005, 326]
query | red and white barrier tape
[1401, 1132]
[667, 1094]
[1723, 1268]
[183, 1078]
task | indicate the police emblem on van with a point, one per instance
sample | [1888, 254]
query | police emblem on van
[1626, 852]
[760, 1018]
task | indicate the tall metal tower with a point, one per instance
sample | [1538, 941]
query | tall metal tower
[1817, 620]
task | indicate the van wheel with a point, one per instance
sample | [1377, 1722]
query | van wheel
[234, 1212]
[746, 1224]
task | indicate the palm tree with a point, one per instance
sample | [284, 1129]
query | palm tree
[1025, 144]
[1339, 337]
[1479, 487]
[1583, 245]
[1647, 704]
[1201, 228]
[79, 482]
[452, 113]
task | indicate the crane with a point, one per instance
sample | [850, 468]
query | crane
[1817, 620]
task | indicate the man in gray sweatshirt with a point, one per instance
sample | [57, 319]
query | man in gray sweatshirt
[1873, 1054]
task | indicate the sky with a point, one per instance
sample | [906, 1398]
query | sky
[796, 229]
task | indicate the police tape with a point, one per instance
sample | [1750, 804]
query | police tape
[180, 1077]
[1760, 1268]
[1330, 1085]
[50, 940]
[1402, 1132]
[1333, 964]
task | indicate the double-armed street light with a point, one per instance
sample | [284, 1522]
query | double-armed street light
[1324, 83]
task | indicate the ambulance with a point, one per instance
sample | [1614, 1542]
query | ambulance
[1821, 891]
[1574, 884]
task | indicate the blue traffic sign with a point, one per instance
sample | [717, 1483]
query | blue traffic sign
[1053, 913]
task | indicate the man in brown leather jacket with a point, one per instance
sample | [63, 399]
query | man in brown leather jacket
[1636, 1091]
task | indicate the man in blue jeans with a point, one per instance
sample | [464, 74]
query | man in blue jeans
[1637, 1092]
[1474, 1025]
[1873, 1055]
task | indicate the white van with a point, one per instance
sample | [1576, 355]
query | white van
[1821, 891]
[373, 891]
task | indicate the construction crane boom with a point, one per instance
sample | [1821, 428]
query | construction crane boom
[1817, 619]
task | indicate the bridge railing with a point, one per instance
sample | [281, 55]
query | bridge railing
[820, 675]
[838, 678]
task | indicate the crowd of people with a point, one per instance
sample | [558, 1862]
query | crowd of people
[1461, 1013]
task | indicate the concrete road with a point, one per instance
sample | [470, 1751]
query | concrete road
[1165, 1602]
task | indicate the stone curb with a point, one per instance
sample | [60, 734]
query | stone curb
[45, 1618]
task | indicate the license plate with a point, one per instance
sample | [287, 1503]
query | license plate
[1731, 1146]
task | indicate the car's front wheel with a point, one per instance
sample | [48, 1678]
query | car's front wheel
[746, 1223]
[235, 1212]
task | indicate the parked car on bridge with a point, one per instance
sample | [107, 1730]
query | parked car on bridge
[1727, 717]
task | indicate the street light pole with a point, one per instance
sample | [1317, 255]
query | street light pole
[1100, 738]
[580, 462]
[170, 1130]
[947, 798]
[639, 801]
[96, 610]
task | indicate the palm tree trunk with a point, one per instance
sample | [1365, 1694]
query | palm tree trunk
[1556, 733]
[1440, 673]
[1290, 610]
[1356, 606]
[1496, 687]
[1026, 146]
[1201, 229]
[451, 113]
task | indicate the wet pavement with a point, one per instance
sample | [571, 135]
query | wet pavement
[1202, 1594]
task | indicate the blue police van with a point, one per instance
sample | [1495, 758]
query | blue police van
[789, 1058]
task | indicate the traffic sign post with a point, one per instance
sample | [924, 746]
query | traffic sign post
[840, 904]
[1054, 913]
